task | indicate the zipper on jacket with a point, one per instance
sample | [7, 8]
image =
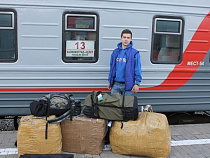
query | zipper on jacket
[125, 70]
[114, 66]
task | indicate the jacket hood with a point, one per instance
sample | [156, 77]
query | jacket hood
[119, 45]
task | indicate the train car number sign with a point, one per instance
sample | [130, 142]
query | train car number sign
[78, 48]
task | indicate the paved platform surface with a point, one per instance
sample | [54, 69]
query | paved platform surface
[188, 141]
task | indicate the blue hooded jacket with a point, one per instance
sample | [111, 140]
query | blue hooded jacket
[125, 66]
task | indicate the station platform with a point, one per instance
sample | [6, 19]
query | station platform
[188, 141]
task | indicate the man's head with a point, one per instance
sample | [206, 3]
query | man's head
[126, 38]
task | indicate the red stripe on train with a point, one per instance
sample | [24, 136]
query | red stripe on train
[51, 89]
[195, 52]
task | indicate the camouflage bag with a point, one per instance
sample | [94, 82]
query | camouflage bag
[59, 103]
[55, 104]
[64, 102]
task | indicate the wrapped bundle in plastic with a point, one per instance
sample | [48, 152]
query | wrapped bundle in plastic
[149, 136]
[83, 135]
[31, 136]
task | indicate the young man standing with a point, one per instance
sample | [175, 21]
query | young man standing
[125, 67]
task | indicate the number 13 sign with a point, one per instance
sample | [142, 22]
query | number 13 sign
[75, 48]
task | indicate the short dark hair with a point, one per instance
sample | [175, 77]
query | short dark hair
[126, 31]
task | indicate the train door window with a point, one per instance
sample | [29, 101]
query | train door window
[80, 38]
[8, 36]
[167, 40]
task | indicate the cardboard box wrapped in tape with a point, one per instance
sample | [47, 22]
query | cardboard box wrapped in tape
[149, 135]
[31, 136]
[83, 135]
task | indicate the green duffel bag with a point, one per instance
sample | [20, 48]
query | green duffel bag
[114, 107]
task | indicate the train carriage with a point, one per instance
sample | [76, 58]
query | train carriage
[64, 46]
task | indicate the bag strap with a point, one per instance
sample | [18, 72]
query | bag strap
[60, 118]
[123, 109]
[94, 105]
[71, 106]
[48, 108]
[97, 110]
[48, 114]
[92, 102]
[57, 120]
[46, 129]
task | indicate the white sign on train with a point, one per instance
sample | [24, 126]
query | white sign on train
[78, 48]
[195, 63]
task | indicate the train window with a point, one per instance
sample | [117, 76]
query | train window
[80, 42]
[167, 41]
[78, 22]
[8, 42]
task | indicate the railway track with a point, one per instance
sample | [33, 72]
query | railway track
[10, 123]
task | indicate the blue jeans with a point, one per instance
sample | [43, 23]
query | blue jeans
[120, 88]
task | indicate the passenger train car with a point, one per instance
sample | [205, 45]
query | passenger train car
[64, 46]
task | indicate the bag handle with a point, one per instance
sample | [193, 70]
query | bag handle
[148, 108]
[57, 119]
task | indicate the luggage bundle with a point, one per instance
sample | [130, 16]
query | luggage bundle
[111, 107]
[40, 133]
[149, 136]
[132, 133]
[83, 135]
[31, 136]
[61, 105]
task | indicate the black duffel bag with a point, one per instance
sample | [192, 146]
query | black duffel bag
[55, 104]
[47, 156]
[114, 107]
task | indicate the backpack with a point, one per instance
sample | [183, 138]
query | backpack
[115, 107]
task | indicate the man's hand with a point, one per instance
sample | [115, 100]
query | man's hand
[108, 86]
[135, 88]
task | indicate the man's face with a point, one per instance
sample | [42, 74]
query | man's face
[126, 39]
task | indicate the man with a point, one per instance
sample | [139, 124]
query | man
[125, 67]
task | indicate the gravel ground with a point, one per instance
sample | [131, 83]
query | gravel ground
[7, 124]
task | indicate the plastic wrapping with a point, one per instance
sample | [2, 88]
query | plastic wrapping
[83, 135]
[149, 135]
[31, 136]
